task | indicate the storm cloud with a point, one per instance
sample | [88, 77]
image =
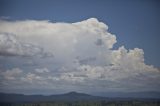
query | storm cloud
[84, 58]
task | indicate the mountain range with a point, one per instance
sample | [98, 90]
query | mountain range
[71, 96]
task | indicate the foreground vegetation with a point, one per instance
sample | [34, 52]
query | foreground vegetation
[87, 103]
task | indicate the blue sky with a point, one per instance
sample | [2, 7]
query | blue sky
[135, 23]
[49, 45]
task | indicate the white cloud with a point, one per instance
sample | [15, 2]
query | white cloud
[43, 70]
[83, 57]
[11, 74]
[76, 39]
[11, 46]
[124, 57]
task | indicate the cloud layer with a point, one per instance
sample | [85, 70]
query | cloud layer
[83, 59]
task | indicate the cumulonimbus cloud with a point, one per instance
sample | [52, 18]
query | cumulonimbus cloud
[83, 57]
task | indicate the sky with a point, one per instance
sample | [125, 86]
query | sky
[55, 46]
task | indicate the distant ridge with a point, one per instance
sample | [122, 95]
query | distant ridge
[71, 96]
[73, 93]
